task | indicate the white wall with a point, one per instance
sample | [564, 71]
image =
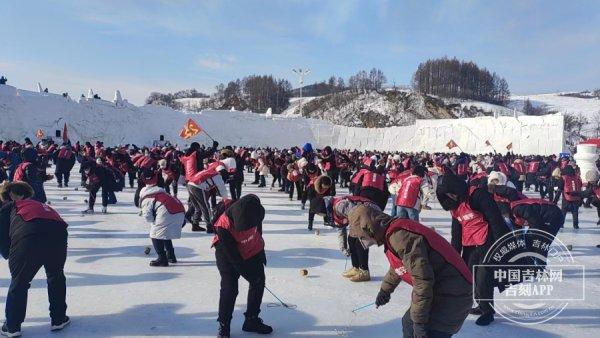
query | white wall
[23, 112]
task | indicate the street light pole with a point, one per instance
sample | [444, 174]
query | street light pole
[301, 74]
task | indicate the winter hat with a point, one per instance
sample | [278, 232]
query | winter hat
[568, 170]
[420, 171]
[227, 153]
[366, 222]
[322, 183]
[397, 158]
[497, 175]
[149, 176]
[592, 176]
[246, 213]
[307, 148]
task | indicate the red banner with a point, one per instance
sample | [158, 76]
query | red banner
[190, 129]
[451, 144]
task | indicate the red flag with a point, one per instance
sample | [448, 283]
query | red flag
[190, 129]
[509, 146]
[487, 143]
[65, 134]
[39, 134]
[451, 144]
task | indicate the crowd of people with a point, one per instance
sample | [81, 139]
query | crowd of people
[350, 190]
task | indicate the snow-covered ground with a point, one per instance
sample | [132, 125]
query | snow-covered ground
[563, 104]
[112, 292]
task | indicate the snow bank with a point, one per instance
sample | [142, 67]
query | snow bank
[23, 112]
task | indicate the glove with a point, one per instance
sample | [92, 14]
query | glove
[419, 330]
[383, 297]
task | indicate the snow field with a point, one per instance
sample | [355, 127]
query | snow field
[112, 292]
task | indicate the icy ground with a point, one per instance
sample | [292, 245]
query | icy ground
[112, 292]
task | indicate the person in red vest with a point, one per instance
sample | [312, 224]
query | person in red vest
[519, 167]
[537, 214]
[476, 224]
[569, 186]
[370, 182]
[411, 192]
[337, 209]
[166, 216]
[441, 281]
[322, 187]
[240, 251]
[64, 158]
[530, 173]
[592, 190]
[32, 235]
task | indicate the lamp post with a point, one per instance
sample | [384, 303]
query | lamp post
[301, 74]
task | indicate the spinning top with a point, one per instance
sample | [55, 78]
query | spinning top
[303, 272]
[147, 250]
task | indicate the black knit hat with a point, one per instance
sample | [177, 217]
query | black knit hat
[246, 213]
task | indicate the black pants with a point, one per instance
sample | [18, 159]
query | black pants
[94, 192]
[543, 188]
[299, 189]
[519, 186]
[408, 330]
[276, 178]
[164, 248]
[131, 176]
[26, 258]
[484, 283]
[200, 205]
[358, 254]
[253, 271]
[235, 188]
[573, 208]
[62, 177]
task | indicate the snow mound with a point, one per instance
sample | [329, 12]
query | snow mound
[560, 103]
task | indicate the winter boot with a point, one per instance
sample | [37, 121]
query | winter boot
[598, 223]
[104, 211]
[172, 259]
[310, 225]
[350, 273]
[361, 276]
[57, 326]
[60, 185]
[485, 319]
[303, 206]
[88, 211]
[196, 227]
[223, 330]
[16, 332]
[66, 184]
[426, 207]
[160, 261]
[255, 324]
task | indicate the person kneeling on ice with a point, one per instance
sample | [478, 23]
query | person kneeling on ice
[240, 251]
[442, 283]
[32, 235]
[166, 215]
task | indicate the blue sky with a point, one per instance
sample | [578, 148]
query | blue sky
[139, 46]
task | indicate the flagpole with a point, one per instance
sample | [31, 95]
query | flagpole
[204, 131]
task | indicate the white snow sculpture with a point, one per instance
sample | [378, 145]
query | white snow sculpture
[269, 112]
[118, 100]
[586, 157]
[40, 89]
[90, 94]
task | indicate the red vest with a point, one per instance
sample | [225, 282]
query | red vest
[294, 175]
[474, 225]
[409, 192]
[173, 205]
[249, 242]
[519, 167]
[189, 165]
[20, 171]
[527, 201]
[571, 184]
[65, 153]
[435, 241]
[373, 180]
[533, 167]
[359, 175]
[503, 168]
[597, 192]
[31, 210]
[339, 219]
[462, 169]
[203, 176]
[564, 164]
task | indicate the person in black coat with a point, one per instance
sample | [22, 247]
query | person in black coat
[64, 158]
[454, 195]
[32, 173]
[97, 177]
[239, 251]
[32, 235]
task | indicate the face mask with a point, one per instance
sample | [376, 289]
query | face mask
[367, 242]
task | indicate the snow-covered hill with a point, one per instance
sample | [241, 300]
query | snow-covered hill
[560, 103]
